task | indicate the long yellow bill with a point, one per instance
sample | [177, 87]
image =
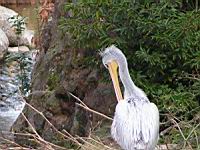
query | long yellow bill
[112, 67]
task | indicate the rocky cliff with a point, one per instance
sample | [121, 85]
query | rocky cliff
[59, 70]
[3, 44]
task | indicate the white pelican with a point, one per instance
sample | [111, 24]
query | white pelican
[136, 121]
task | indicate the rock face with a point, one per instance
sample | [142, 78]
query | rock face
[58, 71]
[6, 26]
[5, 13]
[3, 44]
[18, 49]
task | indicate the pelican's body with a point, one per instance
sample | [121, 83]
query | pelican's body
[136, 121]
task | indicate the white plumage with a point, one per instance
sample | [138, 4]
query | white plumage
[136, 121]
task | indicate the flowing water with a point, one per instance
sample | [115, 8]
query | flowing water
[10, 100]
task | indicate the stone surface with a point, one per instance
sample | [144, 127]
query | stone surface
[3, 44]
[20, 49]
[5, 13]
[6, 26]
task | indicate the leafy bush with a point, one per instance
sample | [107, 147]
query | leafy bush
[25, 63]
[18, 24]
[161, 42]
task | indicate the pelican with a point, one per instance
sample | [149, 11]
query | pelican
[136, 121]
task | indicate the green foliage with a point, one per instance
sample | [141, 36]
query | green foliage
[25, 65]
[161, 42]
[18, 23]
[53, 80]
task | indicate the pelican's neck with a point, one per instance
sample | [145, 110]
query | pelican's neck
[131, 90]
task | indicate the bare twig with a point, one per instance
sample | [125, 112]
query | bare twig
[166, 130]
[68, 136]
[192, 131]
[83, 105]
[13, 143]
[47, 144]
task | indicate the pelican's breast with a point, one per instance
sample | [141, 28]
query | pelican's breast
[133, 126]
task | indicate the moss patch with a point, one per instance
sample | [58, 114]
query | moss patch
[53, 80]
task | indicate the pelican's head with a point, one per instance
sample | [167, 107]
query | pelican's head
[112, 57]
